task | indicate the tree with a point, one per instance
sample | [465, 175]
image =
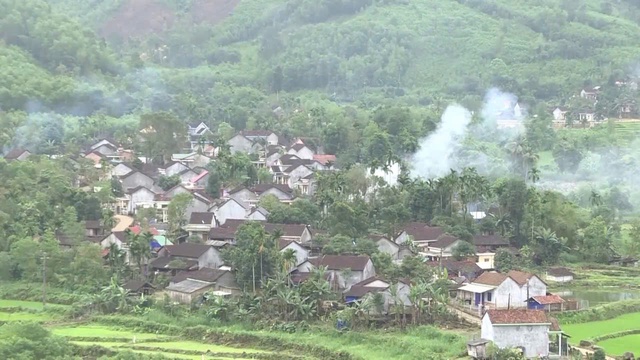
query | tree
[213, 185]
[31, 341]
[567, 155]
[163, 135]
[547, 247]
[349, 219]
[596, 241]
[116, 187]
[632, 246]
[168, 182]
[176, 212]
[71, 227]
[512, 197]
[463, 250]
[140, 248]
[255, 256]
[503, 261]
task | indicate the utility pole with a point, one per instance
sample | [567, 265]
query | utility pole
[44, 279]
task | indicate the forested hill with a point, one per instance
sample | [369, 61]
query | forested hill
[128, 54]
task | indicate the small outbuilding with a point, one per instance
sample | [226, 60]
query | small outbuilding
[138, 287]
[477, 349]
[560, 275]
[188, 290]
[546, 303]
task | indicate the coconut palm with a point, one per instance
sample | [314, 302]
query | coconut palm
[289, 260]
[595, 198]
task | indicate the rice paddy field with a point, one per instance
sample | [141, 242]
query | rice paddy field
[614, 346]
[423, 342]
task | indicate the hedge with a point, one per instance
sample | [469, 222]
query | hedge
[602, 312]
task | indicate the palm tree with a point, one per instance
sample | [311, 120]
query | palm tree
[416, 293]
[503, 223]
[534, 175]
[595, 198]
[289, 260]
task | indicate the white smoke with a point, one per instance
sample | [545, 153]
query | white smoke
[437, 151]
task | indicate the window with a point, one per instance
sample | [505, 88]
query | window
[486, 260]
[489, 296]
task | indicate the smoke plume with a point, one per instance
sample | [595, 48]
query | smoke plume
[436, 154]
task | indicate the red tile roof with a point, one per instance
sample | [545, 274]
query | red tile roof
[491, 278]
[548, 299]
[520, 277]
[518, 316]
[324, 158]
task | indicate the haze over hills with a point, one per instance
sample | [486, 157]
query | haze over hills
[414, 51]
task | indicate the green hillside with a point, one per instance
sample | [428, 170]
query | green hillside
[415, 52]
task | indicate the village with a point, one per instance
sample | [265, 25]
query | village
[513, 309]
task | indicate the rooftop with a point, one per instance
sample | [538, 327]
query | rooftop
[560, 271]
[490, 278]
[188, 286]
[341, 262]
[187, 250]
[517, 316]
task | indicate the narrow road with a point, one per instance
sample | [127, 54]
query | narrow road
[467, 317]
[123, 222]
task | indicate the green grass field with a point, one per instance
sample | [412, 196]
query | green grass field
[589, 330]
[35, 305]
[103, 332]
[21, 316]
[619, 346]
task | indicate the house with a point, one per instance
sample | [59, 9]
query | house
[120, 170]
[93, 228]
[197, 133]
[530, 284]
[226, 234]
[172, 265]
[559, 274]
[139, 197]
[200, 224]
[199, 181]
[296, 172]
[390, 294]
[18, 154]
[228, 209]
[586, 115]
[397, 252]
[244, 196]
[104, 147]
[223, 280]
[299, 233]
[258, 214]
[269, 137]
[528, 330]
[559, 114]
[546, 302]
[102, 142]
[344, 270]
[419, 233]
[138, 287]
[119, 239]
[441, 248]
[135, 179]
[302, 254]
[173, 167]
[300, 150]
[489, 243]
[328, 161]
[590, 93]
[186, 176]
[205, 255]
[185, 292]
[463, 268]
[96, 158]
[283, 192]
[492, 290]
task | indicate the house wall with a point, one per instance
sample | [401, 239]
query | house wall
[306, 267]
[230, 210]
[404, 252]
[535, 287]
[196, 205]
[272, 139]
[304, 153]
[227, 282]
[486, 329]
[402, 238]
[175, 191]
[271, 160]
[560, 279]
[184, 298]
[302, 254]
[486, 258]
[185, 177]
[508, 295]
[534, 338]
[297, 174]
[175, 168]
[137, 179]
[257, 216]
[305, 237]
[240, 143]
[388, 247]
[200, 160]
[281, 195]
[245, 196]
[23, 156]
[142, 196]
[210, 259]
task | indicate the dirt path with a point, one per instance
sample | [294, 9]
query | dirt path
[467, 317]
[122, 222]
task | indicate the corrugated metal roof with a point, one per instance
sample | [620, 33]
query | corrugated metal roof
[189, 286]
[477, 289]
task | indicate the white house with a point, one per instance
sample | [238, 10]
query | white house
[140, 197]
[135, 179]
[301, 150]
[419, 233]
[258, 214]
[295, 173]
[560, 274]
[441, 248]
[302, 254]
[493, 290]
[200, 224]
[174, 167]
[205, 255]
[397, 252]
[119, 239]
[559, 114]
[518, 328]
[530, 284]
[121, 169]
[228, 209]
[391, 294]
[343, 270]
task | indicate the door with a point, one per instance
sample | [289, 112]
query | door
[478, 299]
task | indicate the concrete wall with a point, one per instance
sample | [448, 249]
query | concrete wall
[304, 153]
[277, 193]
[196, 205]
[210, 259]
[140, 197]
[297, 174]
[187, 176]
[137, 179]
[388, 247]
[302, 254]
[508, 295]
[560, 279]
[187, 298]
[257, 216]
[534, 338]
[535, 287]
[120, 170]
[240, 143]
[245, 196]
[230, 210]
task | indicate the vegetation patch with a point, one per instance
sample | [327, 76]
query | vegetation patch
[593, 329]
[620, 345]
